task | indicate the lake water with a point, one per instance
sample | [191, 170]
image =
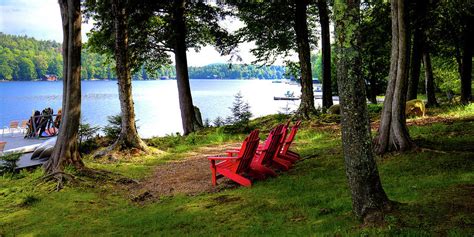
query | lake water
[156, 102]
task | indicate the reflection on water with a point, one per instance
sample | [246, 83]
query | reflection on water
[156, 102]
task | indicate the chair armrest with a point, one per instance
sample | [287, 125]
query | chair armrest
[223, 157]
[237, 150]
[233, 151]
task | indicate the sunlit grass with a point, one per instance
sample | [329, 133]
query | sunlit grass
[312, 199]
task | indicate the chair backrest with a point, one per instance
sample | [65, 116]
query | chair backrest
[284, 132]
[247, 151]
[290, 137]
[14, 124]
[24, 124]
[271, 145]
[2, 146]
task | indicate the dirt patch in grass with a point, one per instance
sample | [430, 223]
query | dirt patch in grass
[190, 175]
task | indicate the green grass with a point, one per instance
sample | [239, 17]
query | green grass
[435, 187]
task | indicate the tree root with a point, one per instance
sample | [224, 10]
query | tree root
[376, 218]
[422, 149]
[304, 113]
[60, 178]
[308, 157]
[118, 147]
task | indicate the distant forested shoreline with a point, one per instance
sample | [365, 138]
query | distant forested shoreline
[23, 58]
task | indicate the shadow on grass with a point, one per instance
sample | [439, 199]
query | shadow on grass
[441, 212]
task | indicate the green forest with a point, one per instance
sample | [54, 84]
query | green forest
[23, 58]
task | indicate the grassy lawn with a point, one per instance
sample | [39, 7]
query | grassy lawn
[434, 184]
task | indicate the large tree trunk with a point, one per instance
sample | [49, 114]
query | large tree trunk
[417, 51]
[466, 63]
[429, 80]
[128, 137]
[369, 200]
[306, 107]
[326, 53]
[415, 64]
[188, 117]
[66, 148]
[393, 133]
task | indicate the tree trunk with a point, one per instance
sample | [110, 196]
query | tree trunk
[188, 117]
[369, 200]
[128, 137]
[417, 51]
[66, 147]
[415, 64]
[429, 80]
[326, 53]
[372, 96]
[466, 65]
[393, 133]
[306, 107]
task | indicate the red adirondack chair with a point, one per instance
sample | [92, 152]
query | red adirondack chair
[279, 161]
[264, 158]
[285, 152]
[233, 167]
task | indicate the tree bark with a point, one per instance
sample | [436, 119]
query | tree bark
[128, 137]
[429, 80]
[306, 107]
[466, 63]
[415, 61]
[66, 148]
[188, 117]
[393, 133]
[417, 49]
[326, 53]
[369, 200]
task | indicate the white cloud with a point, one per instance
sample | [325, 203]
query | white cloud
[35, 18]
[41, 19]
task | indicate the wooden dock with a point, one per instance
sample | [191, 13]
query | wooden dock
[285, 98]
[17, 144]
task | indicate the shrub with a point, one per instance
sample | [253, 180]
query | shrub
[374, 108]
[206, 123]
[9, 162]
[218, 122]
[240, 110]
[86, 134]
[112, 130]
[166, 142]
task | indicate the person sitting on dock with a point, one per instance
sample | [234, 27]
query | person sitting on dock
[32, 124]
[57, 120]
[46, 121]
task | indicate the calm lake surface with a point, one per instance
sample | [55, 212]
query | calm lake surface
[156, 102]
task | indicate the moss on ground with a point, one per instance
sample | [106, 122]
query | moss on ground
[435, 186]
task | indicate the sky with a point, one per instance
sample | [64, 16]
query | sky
[41, 19]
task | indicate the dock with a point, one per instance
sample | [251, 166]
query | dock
[16, 143]
[285, 98]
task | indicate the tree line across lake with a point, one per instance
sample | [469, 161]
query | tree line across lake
[23, 59]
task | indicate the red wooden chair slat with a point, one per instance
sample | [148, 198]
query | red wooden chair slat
[285, 152]
[233, 167]
[278, 161]
[263, 160]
